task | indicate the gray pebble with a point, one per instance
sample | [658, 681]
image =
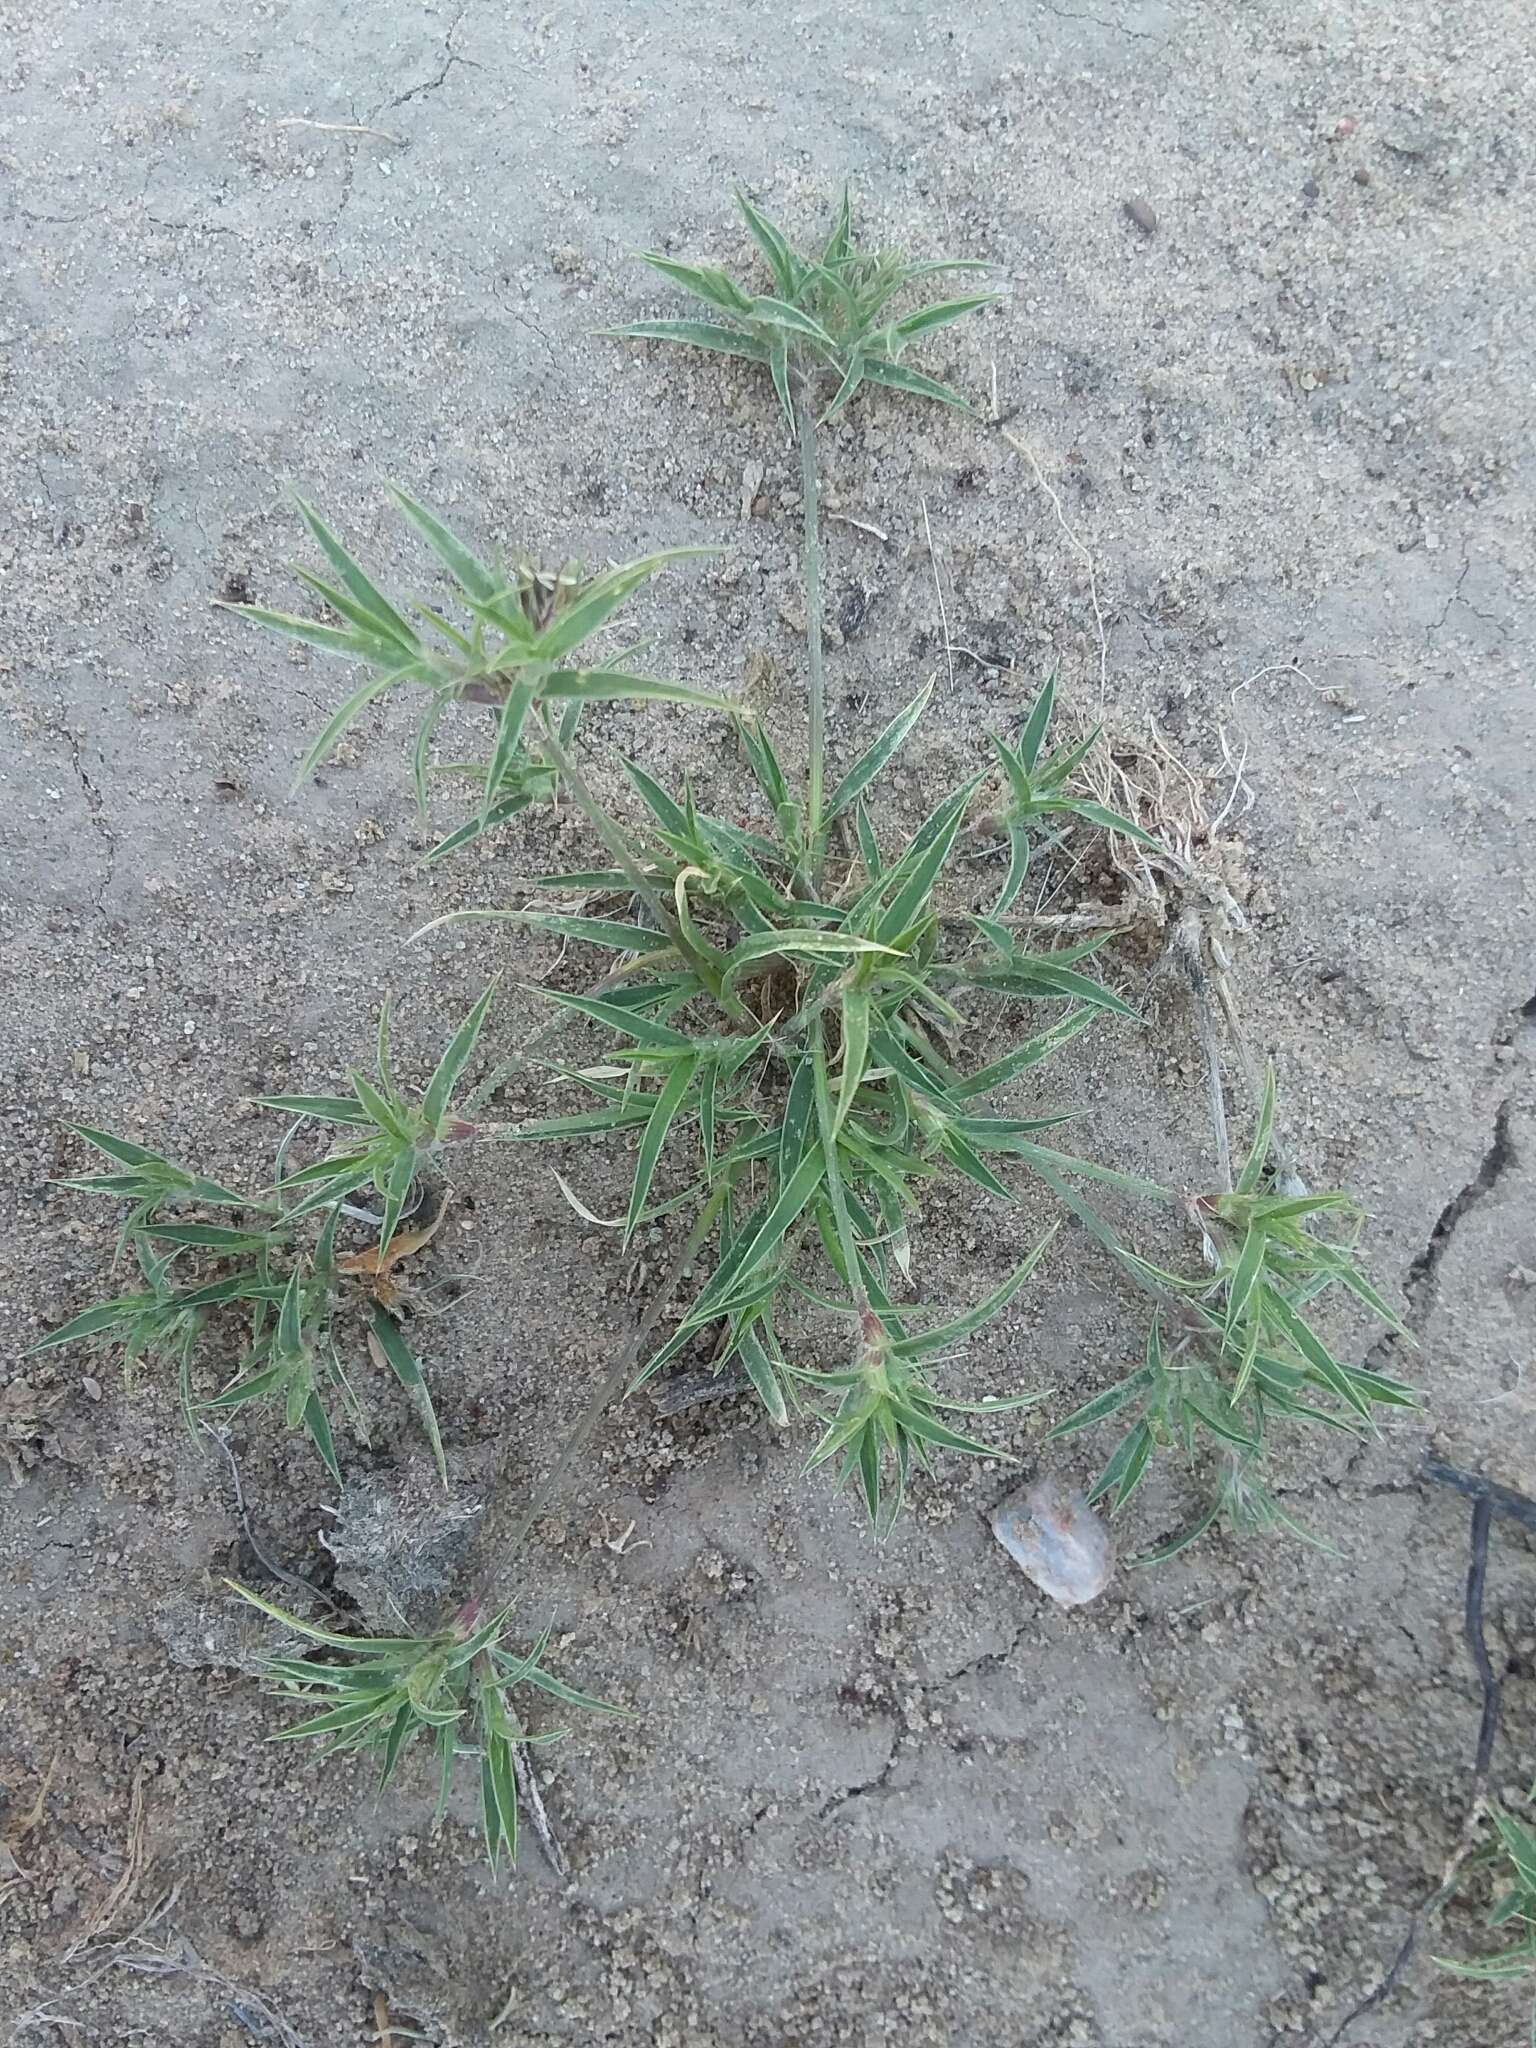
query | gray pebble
[1050, 1530]
[1137, 210]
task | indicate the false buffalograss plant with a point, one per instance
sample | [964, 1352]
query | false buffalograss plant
[794, 1044]
[777, 1039]
[1039, 788]
[787, 996]
[278, 1262]
[828, 327]
[1235, 1349]
[513, 653]
[829, 319]
[452, 1689]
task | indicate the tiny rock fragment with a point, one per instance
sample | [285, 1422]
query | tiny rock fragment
[757, 679]
[751, 486]
[1141, 214]
[1051, 1532]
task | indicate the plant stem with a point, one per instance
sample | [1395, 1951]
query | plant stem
[810, 570]
[826, 1123]
[1185, 946]
[611, 834]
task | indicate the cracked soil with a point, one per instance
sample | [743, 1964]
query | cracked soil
[863, 1796]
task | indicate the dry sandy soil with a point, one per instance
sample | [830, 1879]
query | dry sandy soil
[864, 1796]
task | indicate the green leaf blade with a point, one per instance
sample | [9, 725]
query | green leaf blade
[467, 570]
[435, 1103]
[668, 1104]
[705, 334]
[875, 757]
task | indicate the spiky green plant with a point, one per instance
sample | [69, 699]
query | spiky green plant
[829, 315]
[292, 1357]
[454, 1689]
[156, 1324]
[389, 1138]
[280, 1268]
[514, 654]
[783, 1042]
[1235, 1348]
[1039, 788]
[149, 1182]
[799, 1041]
[790, 999]
[888, 1417]
[795, 1054]
[827, 322]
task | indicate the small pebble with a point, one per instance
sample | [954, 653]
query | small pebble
[751, 486]
[1052, 1533]
[1137, 210]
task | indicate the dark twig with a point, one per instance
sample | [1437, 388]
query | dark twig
[681, 1390]
[1487, 1500]
[262, 1555]
[533, 1803]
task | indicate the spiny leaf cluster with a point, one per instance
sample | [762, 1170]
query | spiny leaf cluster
[829, 316]
[277, 1259]
[453, 1690]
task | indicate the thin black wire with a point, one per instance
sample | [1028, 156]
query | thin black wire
[1486, 1499]
[1477, 1641]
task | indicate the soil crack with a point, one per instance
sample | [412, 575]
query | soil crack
[1420, 1284]
[192, 227]
[985, 1660]
[1500, 626]
[1445, 612]
[96, 809]
[877, 1783]
[525, 321]
[450, 58]
[1139, 35]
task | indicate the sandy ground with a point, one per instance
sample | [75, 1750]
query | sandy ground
[864, 1796]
